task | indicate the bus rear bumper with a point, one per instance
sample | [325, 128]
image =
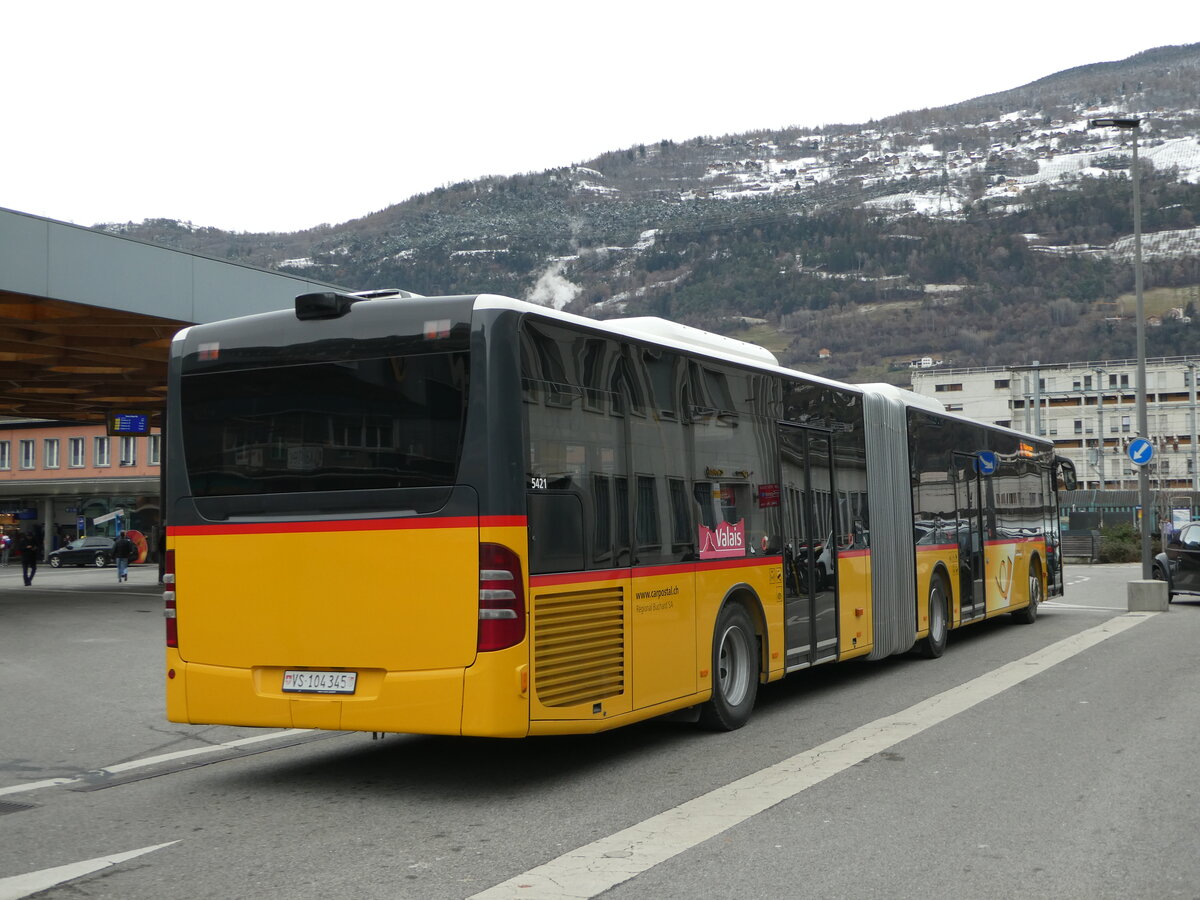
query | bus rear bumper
[472, 701]
[416, 702]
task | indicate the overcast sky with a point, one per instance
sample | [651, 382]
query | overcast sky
[277, 116]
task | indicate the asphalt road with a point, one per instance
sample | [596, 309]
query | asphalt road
[1045, 760]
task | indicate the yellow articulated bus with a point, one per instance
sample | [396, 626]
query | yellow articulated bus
[473, 515]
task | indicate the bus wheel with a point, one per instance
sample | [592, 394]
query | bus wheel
[734, 671]
[934, 644]
[1028, 615]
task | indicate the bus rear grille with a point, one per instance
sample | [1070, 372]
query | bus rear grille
[579, 641]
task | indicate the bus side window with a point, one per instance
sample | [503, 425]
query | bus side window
[555, 533]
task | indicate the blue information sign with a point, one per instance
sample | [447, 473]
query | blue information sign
[1141, 451]
[128, 423]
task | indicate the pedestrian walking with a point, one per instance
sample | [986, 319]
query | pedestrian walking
[123, 552]
[5, 549]
[29, 557]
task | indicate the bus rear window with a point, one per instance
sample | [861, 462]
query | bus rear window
[358, 424]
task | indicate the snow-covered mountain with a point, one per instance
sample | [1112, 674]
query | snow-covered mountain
[962, 232]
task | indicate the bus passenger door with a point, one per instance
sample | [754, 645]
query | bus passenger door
[809, 546]
[1050, 531]
[968, 497]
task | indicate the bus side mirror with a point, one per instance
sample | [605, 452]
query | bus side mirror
[1066, 473]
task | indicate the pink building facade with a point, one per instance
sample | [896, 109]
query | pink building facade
[56, 479]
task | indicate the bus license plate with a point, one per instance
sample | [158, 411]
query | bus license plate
[296, 682]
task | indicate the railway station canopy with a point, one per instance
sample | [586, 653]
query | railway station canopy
[86, 317]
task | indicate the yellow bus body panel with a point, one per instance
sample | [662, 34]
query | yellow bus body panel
[1006, 584]
[664, 637]
[856, 620]
[395, 600]
[397, 606]
[929, 560]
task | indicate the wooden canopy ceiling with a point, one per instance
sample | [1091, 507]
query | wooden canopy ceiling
[68, 361]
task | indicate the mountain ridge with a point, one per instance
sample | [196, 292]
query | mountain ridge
[830, 235]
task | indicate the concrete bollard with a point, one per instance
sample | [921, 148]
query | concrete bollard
[1148, 596]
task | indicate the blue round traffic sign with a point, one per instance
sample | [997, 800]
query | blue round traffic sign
[1141, 451]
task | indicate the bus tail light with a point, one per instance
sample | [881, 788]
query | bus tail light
[501, 598]
[169, 599]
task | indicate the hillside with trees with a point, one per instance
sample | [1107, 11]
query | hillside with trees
[991, 232]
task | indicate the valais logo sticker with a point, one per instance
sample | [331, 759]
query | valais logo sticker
[727, 539]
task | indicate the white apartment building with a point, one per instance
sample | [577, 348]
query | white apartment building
[1089, 410]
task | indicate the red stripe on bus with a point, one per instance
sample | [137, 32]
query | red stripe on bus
[309, 527]
[687, 568]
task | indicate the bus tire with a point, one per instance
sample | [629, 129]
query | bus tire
[933, 644]
[735, 668]
[1028, 615]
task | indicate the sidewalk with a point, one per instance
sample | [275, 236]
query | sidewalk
[142, 578]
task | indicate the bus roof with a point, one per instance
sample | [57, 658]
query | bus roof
[649, 328]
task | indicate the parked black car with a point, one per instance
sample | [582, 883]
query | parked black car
[1179, 564]
[88, 551]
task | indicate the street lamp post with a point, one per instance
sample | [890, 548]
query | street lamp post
[1132, 124]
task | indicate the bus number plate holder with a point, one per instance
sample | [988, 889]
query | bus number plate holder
[309, 682]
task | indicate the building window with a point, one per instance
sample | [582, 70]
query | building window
[50, 450]
[1000, 384]
[954, 407]
[154, 449]
[75, 449]
[947, 387]
[100, 452]
[5, 455]
[28, 460]
[1087, 382]
[1079, 426]
[129, 451]
[1125, 423]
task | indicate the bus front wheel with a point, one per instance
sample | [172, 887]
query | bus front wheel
[734, 671]
[933, 644]
[1028, 615]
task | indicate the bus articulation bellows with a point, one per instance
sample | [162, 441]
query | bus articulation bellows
[473, 515]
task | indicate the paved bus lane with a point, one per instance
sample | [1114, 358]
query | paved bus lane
[1021, 773]
[81, 664]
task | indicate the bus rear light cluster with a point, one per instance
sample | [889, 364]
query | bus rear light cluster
[501, 598]
[169, 599]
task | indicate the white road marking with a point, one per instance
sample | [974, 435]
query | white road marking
[19, 886]
[153, 761]
[1052, 605]
[593, 869]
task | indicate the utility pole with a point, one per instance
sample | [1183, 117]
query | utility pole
[1100, 423]
[1037, 398]
[1192, 430]
[1132, 124]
